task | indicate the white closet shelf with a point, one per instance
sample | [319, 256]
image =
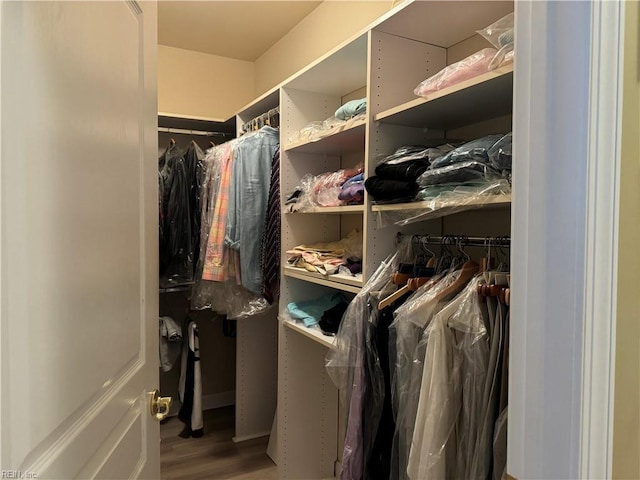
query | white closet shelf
[314, 334]
[336, 141]
[443, 23]
[339, 281]
[345, 209]
[485, 96]
[441, 207]
[338, 72]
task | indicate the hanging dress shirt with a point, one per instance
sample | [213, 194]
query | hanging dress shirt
[454, 374]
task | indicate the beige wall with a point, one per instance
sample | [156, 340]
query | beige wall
[626, 439]
[330, 24]
[195, 84]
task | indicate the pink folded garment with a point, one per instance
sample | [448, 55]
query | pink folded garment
[470, 67]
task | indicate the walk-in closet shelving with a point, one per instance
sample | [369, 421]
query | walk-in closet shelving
[340, 210]
[414, 41]
[339, 281]
[441, 207]
[314, 95]
[489, 94]
[311, 333]
[337, 141]
[256, 337]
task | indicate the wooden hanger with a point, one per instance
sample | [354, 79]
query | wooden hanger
[502, 293]
[172, 142]
[411, 284]
[394, 296]
[467, 272]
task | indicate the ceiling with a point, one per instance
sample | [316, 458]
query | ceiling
[236, 29]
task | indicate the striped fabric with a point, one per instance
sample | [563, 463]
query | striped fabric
[271, 237]
[217, 255]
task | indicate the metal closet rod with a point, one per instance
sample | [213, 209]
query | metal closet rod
[194, 132]
[462, 240]
[267, 115]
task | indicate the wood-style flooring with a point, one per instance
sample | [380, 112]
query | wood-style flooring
[213, 456]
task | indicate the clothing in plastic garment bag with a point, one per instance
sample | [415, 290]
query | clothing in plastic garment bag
[454, 375]
[248, 196]
[346, 365]
[176, 255]
[407, 352]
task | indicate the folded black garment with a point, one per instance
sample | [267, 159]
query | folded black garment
[331, 319]
[459, 173]
[407, 171]
[475, 150]
[409, 162]
[354, 265]
[383, 189]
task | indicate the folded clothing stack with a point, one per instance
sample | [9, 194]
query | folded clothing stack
[344, 117]
[331, 189]
[325, 311]
[396, 174]
[479, 161]
[351, 109]
[327, 257]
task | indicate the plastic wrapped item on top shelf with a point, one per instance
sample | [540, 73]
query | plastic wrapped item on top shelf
[331, 123]
[475, 150]
[436, 202]
[500, 34]
[472, 66]
[307, 132]
[318, 130]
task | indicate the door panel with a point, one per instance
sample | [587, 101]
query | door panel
[78, 338]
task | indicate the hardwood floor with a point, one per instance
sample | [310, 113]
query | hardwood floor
[213, 456]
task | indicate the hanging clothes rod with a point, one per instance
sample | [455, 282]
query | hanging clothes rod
[459, 240]
[183, 131]
[261, 120]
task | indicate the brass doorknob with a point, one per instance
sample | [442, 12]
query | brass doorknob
[159, 406]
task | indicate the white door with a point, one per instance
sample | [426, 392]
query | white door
[78, 240]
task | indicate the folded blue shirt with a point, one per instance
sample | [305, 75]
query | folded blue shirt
[310, 311]
[351, 109]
